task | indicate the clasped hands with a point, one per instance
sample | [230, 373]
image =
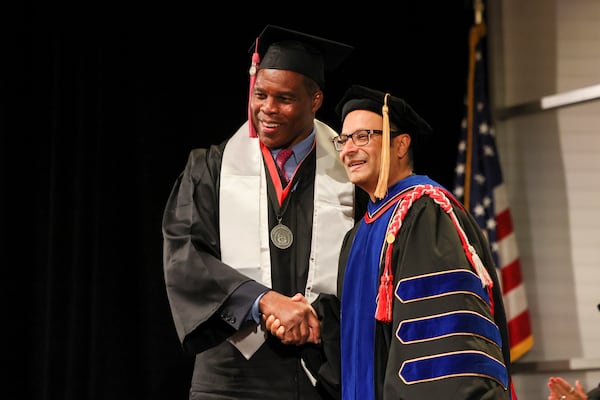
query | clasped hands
[291, 319]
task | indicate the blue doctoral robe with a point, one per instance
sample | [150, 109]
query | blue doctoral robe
[448, 337]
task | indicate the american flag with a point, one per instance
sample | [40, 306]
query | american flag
[479, 185]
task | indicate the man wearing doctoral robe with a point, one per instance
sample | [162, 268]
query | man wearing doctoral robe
[422, 315]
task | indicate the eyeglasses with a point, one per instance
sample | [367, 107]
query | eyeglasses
[359, 138]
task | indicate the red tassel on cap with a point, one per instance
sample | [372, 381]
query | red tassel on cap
[253, 71]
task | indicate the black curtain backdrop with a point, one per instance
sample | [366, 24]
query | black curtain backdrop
[96, 123]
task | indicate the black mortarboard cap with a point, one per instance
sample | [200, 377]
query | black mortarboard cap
[402, 115]
[313, 56]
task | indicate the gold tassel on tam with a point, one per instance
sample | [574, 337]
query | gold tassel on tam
[383, 312]
[384, 169]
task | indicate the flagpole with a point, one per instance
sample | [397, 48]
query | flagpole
[480, 187]
[477, 32]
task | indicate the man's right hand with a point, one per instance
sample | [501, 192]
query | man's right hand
[291, 319]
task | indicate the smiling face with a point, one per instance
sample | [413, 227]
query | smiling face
[283, 105]
[362, 163]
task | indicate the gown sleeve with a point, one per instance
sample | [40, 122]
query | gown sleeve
[199, 286]
[443, 341]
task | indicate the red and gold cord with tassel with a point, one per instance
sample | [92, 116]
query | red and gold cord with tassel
[383, 313]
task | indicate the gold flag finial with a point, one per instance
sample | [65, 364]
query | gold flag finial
[478, 6]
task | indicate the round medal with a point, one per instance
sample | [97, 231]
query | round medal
[281, 236]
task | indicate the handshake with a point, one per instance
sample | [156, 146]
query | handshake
[291, 319]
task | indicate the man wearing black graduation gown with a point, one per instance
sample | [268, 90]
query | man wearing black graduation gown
[422, 315]
[240, 241]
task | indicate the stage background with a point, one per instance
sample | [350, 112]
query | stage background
[99, 108]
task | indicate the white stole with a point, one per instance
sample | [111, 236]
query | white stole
[244, 220]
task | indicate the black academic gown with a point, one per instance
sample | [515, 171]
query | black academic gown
[594, 394]
[428, 243]
[210, 300]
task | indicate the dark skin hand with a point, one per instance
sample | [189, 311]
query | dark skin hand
[291, 319]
